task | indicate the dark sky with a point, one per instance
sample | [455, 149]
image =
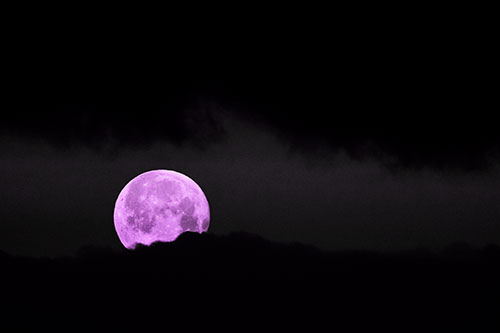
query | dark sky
[382, 145]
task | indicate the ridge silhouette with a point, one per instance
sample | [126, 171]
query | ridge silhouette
[231, 277]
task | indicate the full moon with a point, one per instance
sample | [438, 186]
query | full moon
[158, 206]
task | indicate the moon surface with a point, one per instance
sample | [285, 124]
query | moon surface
[158, 206]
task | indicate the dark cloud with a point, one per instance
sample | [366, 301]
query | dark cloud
[410, 114]
[123, 124]
[412, 100]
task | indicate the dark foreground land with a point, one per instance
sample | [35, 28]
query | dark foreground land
[241, 282]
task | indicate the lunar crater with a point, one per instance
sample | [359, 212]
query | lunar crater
[189, 223]
[187, 206]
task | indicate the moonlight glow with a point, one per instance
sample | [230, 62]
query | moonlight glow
[159, 205]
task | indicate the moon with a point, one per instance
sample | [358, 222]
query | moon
[158, 206]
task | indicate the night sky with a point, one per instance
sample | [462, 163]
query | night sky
[370, 139]
[350, 158]
[400, 157]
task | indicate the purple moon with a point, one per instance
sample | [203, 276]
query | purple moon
[158, 206]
